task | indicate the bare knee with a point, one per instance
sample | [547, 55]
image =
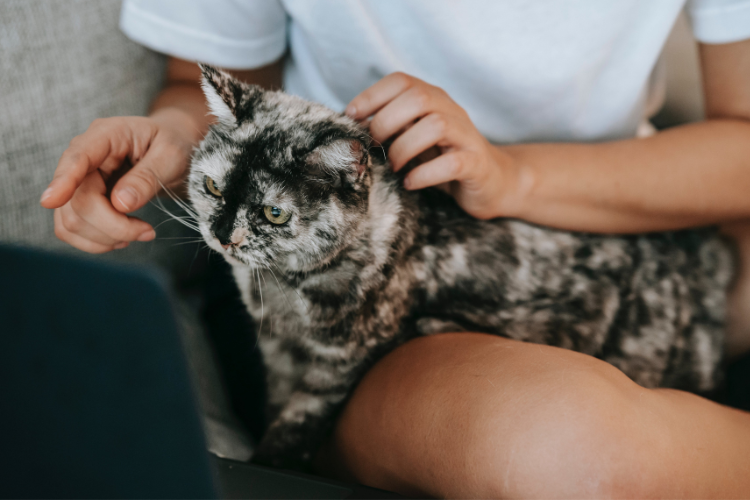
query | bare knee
[470, 415]
[571, 432]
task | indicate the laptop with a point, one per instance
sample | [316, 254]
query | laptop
[95, 398]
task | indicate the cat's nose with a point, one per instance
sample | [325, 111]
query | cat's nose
[238, 235]
[227, 245]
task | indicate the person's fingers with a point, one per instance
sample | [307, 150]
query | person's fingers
[408, 107]
[80, 242]
[75, 225]
[453, 166]
[91, 204]
[434, 129]
[163, 164]
[369, 101]
[85, 154]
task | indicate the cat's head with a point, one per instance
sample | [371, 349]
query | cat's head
[278, 181]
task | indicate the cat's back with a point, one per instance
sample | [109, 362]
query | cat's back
[499, 248]
[652, 304]
[505, 244]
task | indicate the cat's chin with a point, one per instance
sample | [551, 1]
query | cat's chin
[231, 259]
[234, 261]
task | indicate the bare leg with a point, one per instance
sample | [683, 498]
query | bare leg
[472, 415]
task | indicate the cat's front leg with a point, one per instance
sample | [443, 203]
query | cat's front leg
[329, 373]
[299, 429]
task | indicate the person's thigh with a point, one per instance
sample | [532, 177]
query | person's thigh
[473, 415]
[462, 414]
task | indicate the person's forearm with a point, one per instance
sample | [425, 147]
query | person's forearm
[687, 176]
[183, 106]
[181, 102]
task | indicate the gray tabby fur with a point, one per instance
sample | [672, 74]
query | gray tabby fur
[363, 265]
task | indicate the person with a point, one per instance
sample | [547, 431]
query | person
[535, 110]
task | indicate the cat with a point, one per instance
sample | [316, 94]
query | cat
[338, 264]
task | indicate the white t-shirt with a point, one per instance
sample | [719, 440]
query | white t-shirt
[524, 70]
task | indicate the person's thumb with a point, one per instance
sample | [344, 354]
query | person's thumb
[142, 183]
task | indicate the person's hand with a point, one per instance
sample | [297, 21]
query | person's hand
[87, 218]
[422, 116]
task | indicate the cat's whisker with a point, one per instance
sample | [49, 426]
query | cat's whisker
[271, 318]
[195, 255]
[162, 223]
[185, 240]
[186, 224]
[195, 238]
[189, 220]
[260, 274]
[281, 289]
[187, 243]
[295, 291]
[189, 216]
[181, 220]
[169, 220]
[260, 292]
[192, 217]
[378, 144]
[187, 208]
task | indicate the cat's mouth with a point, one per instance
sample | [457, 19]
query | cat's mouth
[235, 256]
[232, 255]
[235, 259]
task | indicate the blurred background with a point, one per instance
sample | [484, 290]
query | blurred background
[64, 63]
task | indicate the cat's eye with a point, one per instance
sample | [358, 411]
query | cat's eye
[211, 186]
[276, 215]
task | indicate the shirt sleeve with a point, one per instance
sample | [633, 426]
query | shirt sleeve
[720, 21]
[237, 34]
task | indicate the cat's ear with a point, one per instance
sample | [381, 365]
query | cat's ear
[228, 98]
[342, 160]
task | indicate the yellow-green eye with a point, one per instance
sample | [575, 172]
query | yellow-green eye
[211, 186]
[276, 215]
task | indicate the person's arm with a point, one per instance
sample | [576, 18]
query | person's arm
[687, 176]
[158, 147]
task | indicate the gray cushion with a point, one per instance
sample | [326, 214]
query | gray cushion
[62, 65]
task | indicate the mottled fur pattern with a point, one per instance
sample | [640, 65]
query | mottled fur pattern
[363, 265]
